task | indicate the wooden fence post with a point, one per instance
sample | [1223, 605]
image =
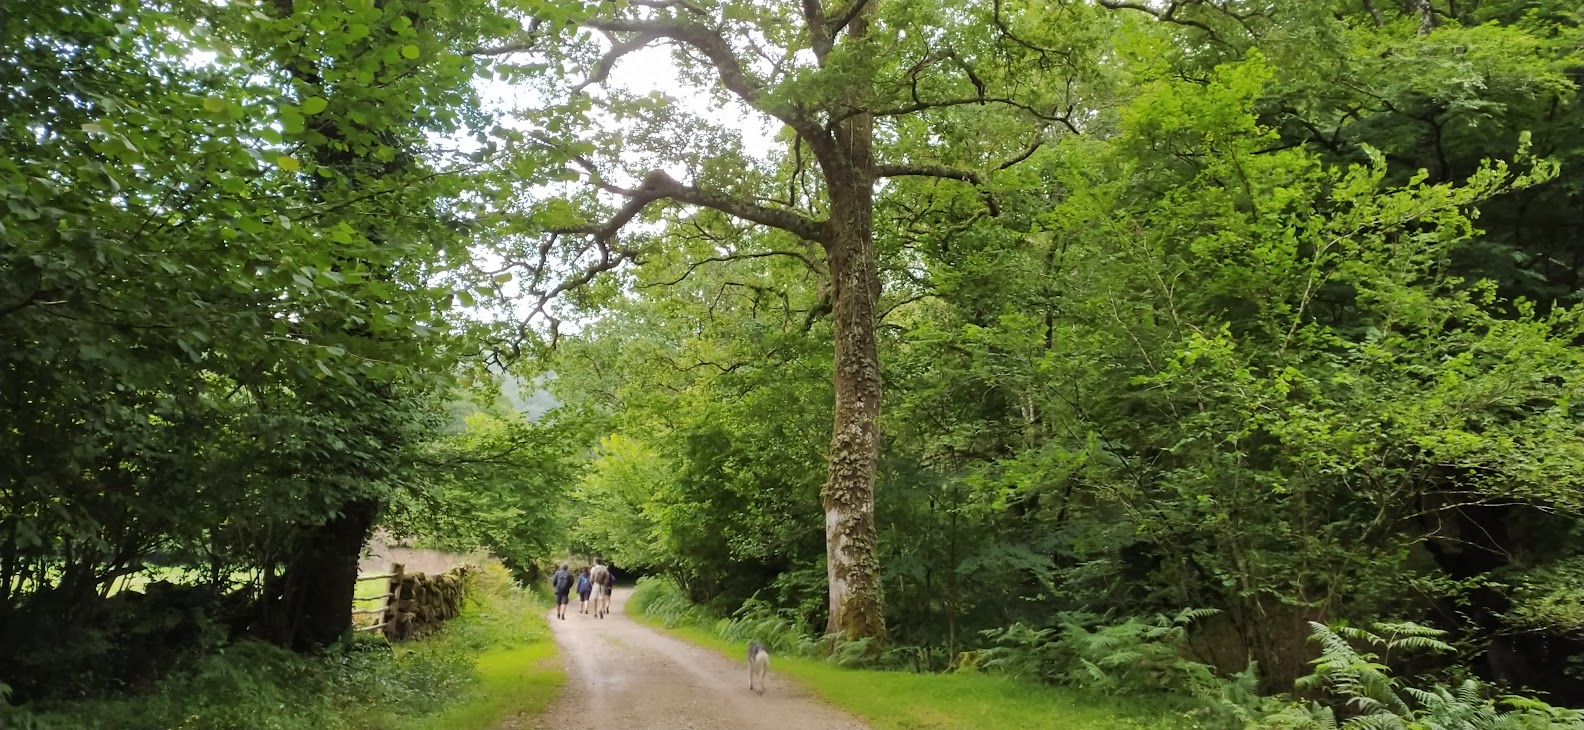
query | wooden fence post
[389, 617]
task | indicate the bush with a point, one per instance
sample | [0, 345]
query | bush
[1135, 656]
[362, 682]
[1357, 680]
[661, 598]
[782, 631]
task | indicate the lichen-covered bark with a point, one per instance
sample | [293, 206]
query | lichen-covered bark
[852, 561]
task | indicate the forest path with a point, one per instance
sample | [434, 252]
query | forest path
[622, 675]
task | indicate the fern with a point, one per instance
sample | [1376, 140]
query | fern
[783, 632]
[1362, 681]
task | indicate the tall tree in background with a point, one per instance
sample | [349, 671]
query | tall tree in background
[863, 91]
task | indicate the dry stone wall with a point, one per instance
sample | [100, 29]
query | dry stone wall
[426, 602]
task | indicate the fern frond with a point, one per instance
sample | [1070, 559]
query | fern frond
[1375, 721]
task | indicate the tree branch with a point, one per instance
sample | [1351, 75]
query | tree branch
[821, 38]
[727, 67]
[951, 173]
[1169, 15]
[846, 15]
[995, 14]
[940, 171]
[1039, 141]
[602, 67]
[920, 105]
[666, 4]
[657, 184]
[736, 257]
[900, 304]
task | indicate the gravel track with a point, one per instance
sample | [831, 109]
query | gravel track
[622, 675]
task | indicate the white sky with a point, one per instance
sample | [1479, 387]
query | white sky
[652, 69]
[648, 70]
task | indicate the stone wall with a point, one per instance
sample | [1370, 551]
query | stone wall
[427, 602]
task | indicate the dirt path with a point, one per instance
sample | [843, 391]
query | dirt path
[638, 678]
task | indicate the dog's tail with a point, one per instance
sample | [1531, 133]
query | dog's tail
[755, 651]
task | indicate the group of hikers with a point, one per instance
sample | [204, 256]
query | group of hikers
[593, 583]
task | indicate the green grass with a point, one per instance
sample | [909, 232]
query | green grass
[908, 701]
[515, 665]
[519, 681]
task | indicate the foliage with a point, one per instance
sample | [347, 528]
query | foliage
[362, 683]
[496, 482]
[661, 600]
[1376, 700]
[233, 246]
[1134, 657]
[782, 633]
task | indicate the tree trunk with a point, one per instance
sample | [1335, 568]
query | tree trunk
[1427, 19]
[852, 561]
[310, 605]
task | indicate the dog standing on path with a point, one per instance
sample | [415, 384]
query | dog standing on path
[758, 664]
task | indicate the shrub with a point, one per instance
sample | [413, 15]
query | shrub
[1358, 677]
[1134, 656]
[664, 600]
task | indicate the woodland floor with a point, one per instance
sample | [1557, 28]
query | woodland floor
[621, 674]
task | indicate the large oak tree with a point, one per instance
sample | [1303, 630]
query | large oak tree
[861, 91]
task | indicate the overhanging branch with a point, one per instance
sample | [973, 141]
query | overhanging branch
[1169, 15]
[657, 184]
[951, 173]
[736, 257]
[942, 172]
[924, 105]
[845, 15]
[720, 55]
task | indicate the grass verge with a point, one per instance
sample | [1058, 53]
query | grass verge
[890, 700]
[519, 681]
[514, 662]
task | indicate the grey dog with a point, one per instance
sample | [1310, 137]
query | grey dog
[758, 664]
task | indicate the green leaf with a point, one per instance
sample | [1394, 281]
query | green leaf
[409, 52]
[313, 105]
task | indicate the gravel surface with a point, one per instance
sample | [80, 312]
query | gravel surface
[622, 675]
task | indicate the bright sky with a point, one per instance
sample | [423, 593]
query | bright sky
[652, 69]
[648, 70]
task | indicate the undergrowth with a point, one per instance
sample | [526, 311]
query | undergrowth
[1356, 689]
[1141, 659]
[360, 684]
[851, 676]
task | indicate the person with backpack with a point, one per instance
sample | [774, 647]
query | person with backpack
[583, 588]
[562, 583]
[600, 576]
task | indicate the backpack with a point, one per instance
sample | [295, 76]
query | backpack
[562, 580]
[583, 584]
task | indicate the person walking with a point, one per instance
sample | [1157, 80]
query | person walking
[600, 576]
[583, 586]
[562, 583]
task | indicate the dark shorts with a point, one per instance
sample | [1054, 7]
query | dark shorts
[584, 594]
[561, 597]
